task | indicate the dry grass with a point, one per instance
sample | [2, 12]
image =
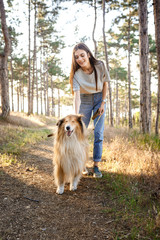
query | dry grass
[32, 121]
[125, 156]
[19, 130]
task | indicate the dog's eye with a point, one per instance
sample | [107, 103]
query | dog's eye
[73, 121]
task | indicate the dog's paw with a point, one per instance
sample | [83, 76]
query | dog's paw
[73, 187]
[85, 171]
[60, 190]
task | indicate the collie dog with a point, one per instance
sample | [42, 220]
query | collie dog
[70, 152]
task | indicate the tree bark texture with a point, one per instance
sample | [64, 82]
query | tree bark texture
[117, 102]
[94, 28]
[129, 74]
[34, 55]
[107, 63]
[3, 64]
[156, 6]
[29, 57]
[144, 67]
[11, 65]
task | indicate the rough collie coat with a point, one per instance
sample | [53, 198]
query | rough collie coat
[70, 152]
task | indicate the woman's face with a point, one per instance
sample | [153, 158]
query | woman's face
[82, 58]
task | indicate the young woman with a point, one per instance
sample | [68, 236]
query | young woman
[88, 79]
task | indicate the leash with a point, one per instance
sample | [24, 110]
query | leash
[97, 121]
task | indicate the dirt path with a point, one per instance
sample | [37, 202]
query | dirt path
[31, 210]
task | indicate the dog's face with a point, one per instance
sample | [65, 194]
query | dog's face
[71, 124]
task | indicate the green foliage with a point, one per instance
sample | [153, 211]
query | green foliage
[6, 160]
[146, 141]
[129, 205]
[118, 73]
[16, 139]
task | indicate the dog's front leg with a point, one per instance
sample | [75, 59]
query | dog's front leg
[60, 189]
[59, 179]
[74, 183]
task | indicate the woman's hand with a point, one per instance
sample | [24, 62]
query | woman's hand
[101, 109]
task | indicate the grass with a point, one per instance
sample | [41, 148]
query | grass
[131, 164]
[15, 138]
[146, 141]
[7, 160]
[129, 207]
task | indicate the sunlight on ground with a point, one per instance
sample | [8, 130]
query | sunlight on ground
[23, 119]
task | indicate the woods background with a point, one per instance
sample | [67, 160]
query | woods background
[35, 63]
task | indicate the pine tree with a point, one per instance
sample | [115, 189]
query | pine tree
[3, 63]
[144, 67]
[156, 4]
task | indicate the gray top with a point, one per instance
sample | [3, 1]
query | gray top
[86, 83]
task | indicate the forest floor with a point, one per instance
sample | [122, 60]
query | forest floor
[121, 205]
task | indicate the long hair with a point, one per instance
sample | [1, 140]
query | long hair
[75, 66]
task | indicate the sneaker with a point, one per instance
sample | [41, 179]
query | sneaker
[96, 172]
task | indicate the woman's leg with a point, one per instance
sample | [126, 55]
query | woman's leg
[98, 138]
[98, 135]
[86, 110]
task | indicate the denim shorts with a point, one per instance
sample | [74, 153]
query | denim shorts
[90, 103]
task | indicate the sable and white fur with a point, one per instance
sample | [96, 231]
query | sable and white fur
[70, 152]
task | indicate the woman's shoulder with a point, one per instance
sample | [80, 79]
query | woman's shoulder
[100, 65]
[78, 72]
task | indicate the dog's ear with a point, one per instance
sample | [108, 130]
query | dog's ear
[79, 119]
[59, 123]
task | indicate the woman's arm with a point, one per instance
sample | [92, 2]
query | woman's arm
[104, 93]
[77, 101]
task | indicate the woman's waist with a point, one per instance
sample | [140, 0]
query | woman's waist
[91, 97]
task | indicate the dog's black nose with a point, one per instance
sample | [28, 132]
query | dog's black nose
[68, 128]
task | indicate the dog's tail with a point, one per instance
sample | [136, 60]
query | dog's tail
[50, 135]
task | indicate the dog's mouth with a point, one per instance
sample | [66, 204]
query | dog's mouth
[69, 133]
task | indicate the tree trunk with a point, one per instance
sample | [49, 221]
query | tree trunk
[107, 108]
[20, 92]
[117, 101]
[36, 87]
[47, 100]
[94, 27]
[53, 104]
[59, 107]
[34, 56]
[41, 78]
[129, 75]
[17, 96]
[3, 64]
[44, 89]
[107, 63]
[156, 4]
[125, 107]
[23, 95]
[12, 100]
[29, 58]
[144, 67]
